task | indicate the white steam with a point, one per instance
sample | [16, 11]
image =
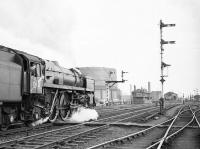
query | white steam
[40, 121]
[83, 114]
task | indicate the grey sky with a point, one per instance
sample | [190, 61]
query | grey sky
[110, 33]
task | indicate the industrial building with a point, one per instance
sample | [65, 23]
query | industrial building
[140, 96]
[100, 75]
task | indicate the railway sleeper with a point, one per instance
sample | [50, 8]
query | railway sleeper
[27, 146]
[79, 140]
[150, 116]
[99, 135]
[7, 147]
[43, 141]
[56, 137]
[86, 138]
[117, 147]
[34, 143]
[61, 136]
[61, 147]
[91, 137]
[64, 143]
[50, 139]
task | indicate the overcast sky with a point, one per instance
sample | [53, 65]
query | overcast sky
[122, 34]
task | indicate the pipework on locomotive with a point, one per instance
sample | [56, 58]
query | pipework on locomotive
[32, 89]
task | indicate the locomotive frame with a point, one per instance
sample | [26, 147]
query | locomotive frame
[32, 89]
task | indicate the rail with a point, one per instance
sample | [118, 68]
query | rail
[166, 138]
[24, 139]
[131, 135]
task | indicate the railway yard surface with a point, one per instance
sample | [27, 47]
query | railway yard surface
[118, 127]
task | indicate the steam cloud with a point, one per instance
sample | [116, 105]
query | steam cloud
[84, 114]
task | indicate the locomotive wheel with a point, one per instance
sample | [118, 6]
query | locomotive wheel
[64, 106]
[4, 128]
[5, 124]
[53, 116]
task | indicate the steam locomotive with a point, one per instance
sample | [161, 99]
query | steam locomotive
[32, 88]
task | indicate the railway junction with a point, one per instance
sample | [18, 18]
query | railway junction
[67, 70]
[120, 127]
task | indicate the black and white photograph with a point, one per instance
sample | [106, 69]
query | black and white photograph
[99, 74]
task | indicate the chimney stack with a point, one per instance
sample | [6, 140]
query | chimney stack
[149, 87]
[134, 88]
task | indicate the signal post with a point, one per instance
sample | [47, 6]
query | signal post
[109, 84]
[163, 65]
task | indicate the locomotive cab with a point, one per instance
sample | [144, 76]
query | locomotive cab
[36, 78]
[33, 73]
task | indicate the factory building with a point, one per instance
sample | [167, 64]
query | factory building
[100, 75]
[140, 96]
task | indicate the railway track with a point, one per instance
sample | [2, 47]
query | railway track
[115, 111]
[26, 131]
[155, 136]
[187, 138]
[66, 137]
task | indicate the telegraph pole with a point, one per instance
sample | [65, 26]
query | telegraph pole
[163, 65]
[109, 84]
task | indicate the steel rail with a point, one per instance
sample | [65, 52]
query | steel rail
[166, 133]
[122, 107]
[136, 115]
[143, 113]
[128, 136]
[28, 129]
[162, 140]
[166, 138]
[56, 130]
[196, 117]
[84, 133]
[126, 114]
[175, 133]
[154, 108]
[104, 144]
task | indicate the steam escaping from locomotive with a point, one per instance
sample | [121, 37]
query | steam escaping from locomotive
[83, 114]
[40, 121]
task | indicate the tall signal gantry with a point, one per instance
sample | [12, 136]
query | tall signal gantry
[163, 65]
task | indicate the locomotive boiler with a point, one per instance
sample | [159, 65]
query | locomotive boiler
[32, 88]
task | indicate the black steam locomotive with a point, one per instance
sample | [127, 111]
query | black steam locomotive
[32, 89]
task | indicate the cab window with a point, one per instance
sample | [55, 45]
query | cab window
[35, 70]
[38, 70]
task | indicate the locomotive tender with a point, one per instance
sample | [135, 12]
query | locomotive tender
[32, 88]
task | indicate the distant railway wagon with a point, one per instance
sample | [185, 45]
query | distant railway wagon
[32, 88]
